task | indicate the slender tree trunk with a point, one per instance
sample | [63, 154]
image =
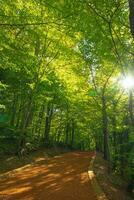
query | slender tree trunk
[105, 128]
[39, 120]
[48, 119]
[26, 117]
[114, 136]
[29, 112]
[98, 143]
[18, 118]
[67, 134]
[131, 107]
[131, 16]
[97, 146]
[30, 118]
[72, 135]
[58, 136]
[14, 108]
[122, 154]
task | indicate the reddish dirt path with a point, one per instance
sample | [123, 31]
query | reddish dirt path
[61, 178]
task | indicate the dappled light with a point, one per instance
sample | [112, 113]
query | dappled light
[62, 178]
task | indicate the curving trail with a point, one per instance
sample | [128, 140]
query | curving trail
[63, 177]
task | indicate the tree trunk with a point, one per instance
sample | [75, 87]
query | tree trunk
[18, 118]
[105, 128]
[114, 136]
[39, 120]
[67, 134]
[72, 135]
[131, 16]
[48, 119]
[14, 108]
[58, 136]
[131, 107]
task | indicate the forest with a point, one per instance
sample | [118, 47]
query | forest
[67, 78]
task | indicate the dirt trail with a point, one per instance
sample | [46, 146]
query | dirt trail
[60, 178]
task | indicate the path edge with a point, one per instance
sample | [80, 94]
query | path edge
[11, 173]
[96, 187]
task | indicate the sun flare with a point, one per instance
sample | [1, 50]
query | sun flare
[128, 82]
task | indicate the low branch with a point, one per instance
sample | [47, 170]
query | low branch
[29, 24]
[115, 49]
[97, 12]
[107, 80]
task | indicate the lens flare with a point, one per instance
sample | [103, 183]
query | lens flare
[128, 82]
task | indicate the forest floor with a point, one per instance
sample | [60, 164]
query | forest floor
[8, 162]
[63, 177]
[112, 184]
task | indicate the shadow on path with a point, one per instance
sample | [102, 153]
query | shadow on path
[63, 177]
